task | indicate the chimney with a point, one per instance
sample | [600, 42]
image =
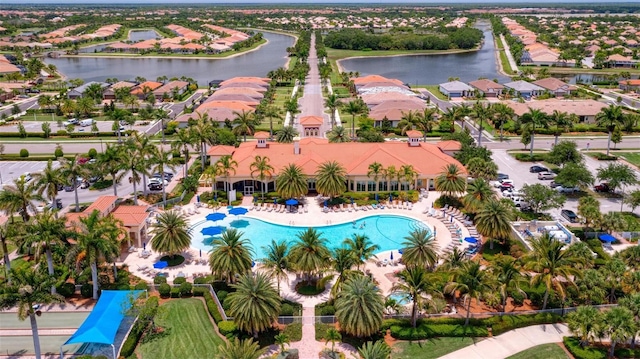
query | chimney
[296, 145]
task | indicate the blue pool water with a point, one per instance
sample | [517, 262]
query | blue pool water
[387, 231]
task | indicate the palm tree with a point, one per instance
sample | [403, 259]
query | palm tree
[419, 249]
[286, 134]
[407, 121]
[309, 253]
[110, 161]
[508, 273]
[494, 220]
[337, 135]
[554, 266]
[42, 233]
[353, 108]
[172, 233]
[481, 113]
[342, 262]
[471, 282]
[230, 255]
[281, 339]
[72, 170]
[97, 239]
[271, 112]
[375, 172]
[291, 182]
[181, 142]
[240, 349]
[27, 289]
[255, 304]
[426, 120]
[202, 132]
[145, 150]
[377, 350]
[85, 106]
[619, 326]
[245, 123]
[162, 160]
[19, 197]
[261, 166]
[561, 121]
[533, 119]
[584, 322]
[333, 336]
[501, 115]
[407, 174]
[330, 179]
[226, 165]
[451, 180]
[359, 307]
[136, 166]
[332, 102]
[48, 181]
[390, 173]
[276, 261]
[453, 260]
[610, 117]
[416, 286]
[362, 247]
[479, 193]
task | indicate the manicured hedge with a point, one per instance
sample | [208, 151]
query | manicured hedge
[164, 290]
[137, 330]
[525, 157]
[199, 291]
[573, 346]
[227, 328]
[603, 157]
[212, 307]
[425, 331]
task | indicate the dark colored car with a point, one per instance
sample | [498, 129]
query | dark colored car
[602, 187]
[69, 188]
[537, 169]
[502, 176]
[58, 204]
[569, 215]
[155, 186]
[167, 176]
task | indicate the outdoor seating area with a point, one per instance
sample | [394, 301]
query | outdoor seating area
[354, 207]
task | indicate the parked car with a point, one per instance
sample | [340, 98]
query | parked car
[546, 175]
[27, 176]
[563, 189]
[155, 186]
[73, 121]
[158, 180]
[537, 169]
[507, 187]
[84, 184]
[94, 179]
[520, 202]
[167, 176]
[70, 187]
[511, 193]
[602, 187]
[502, 176]
[569, 215]
[502, 183]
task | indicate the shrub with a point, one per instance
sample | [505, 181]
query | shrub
[227, 327]
[199, 291]
[164, 290]
[175, 292]
[92, 153]
[185, 289]
[506, 323]
[425, 331]
[603, 157]
[24, 153]
[179, 280]
[58, 152]
[159, 280]
[66, 289]
[141, 286]
[86, 290]
[328, 310]
[286, 309]
[293, 331]
[201, 280]
[525, 157]
[573, 346]
[447, 200]
[212, 307]
[222, 295]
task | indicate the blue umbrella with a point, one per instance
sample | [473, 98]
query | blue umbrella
[291, 202]
[160, 265]
[390, 197]
[400, 251]
[376, 197]
[253, 264]
[198, 198]
[391, 256]
[255, 199]
[607, 238]
[144, 246]
[201, 253]
[215, 216]
[238, 211]
[326, 202]
[212, 231]
[471, 239]
[351, 200]
[275, 201]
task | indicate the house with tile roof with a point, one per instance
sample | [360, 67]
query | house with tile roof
[629, 85]
[524, 89]
[170, 89]
[143, 89]
[79, 91]
[617, 60]
[456, 89]
[110, 92]
[555, 86]
[487, 88]
[586, 110]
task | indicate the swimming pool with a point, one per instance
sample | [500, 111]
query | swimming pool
[387, 231]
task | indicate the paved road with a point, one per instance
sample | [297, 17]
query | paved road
[312, 102]
[22, 104]
[507, 50]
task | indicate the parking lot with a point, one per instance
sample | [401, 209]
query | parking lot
[11, 170]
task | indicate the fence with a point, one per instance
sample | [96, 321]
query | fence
[211, 291]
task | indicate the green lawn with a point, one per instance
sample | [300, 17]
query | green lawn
[428, 349]
[544, 351]
[631, 157]
[191, 332]
[435, 90]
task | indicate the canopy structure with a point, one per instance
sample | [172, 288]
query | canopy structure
[291, 202]
[607, 238]
[471, 240]
[104, 320]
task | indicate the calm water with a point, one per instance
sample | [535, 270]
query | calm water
[139, 35]
[256, 63]
[434, 69]
[387, 231]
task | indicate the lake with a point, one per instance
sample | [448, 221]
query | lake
[139, 35]
[255, 63]
[434, 69]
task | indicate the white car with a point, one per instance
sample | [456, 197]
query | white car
[511, 193]
[520, 202]
[546, 175]
[563, 189]
[158, 180]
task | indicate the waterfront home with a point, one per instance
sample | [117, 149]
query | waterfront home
[110, 93]
[456, 89]
[523, 89]
[487, 88]
[240, 91]
[629, 85]
[6, 67]
[374, 99]
[556, 87]
[234, 97]
[217, 111]
[394, 111]
[309, 153]
[80, 90]
[143, 89]
[586, 110]
[359, 81]
[617, 60]
[170, 90]
[246, 80]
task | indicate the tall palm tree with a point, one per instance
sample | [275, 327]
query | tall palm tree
[479, 193]
[226, 165]
[240, 349]
[19, 197]
[203, 133]
[309, 253]
[408, 121]
[453, 260]
[362, 247]
[135, 165]
[416, 286]
[359, 307]
[97, 239]
[271, 112]
[171, 233]
[145, 150]
[619, 326]
[342, 262]
[160, 161]
[73, 171]
[338, 135]
[286, 134]
[332, 102]
[583, 322]
[181, 142]
[43, 232]
[377, 350]
[481, 113]
[375, 172]
[230, 255]
[419, 249]
[353, 108]
[291, 182]
[471, 282]
[610, 117]
[533, 119]
[426, 120]
[110, 161]
[276, 261]
[501, 115]
[390, 173]
[48, 181]
[494, 220]
[331, 179]
[509, 276]
[244, 123]
[261, 166]
[255, 304]
[553, 266]
[27, 289]
[562, 121]
[451, 180]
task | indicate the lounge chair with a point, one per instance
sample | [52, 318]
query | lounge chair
[306, 210]
[410, 206]
[270, 207]
[341, 207]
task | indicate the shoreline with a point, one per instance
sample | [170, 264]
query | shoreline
[443, 52]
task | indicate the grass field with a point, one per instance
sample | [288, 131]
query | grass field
[429, 349]
[191, 332]
[435, 90]
[631, 157]
[544, 351]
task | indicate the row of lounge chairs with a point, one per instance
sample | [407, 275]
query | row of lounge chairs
[354, 207]
[278, 208]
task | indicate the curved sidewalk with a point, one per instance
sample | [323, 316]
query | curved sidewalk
[512, 342]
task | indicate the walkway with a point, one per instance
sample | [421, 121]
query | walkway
[512, 342]
[507, 51]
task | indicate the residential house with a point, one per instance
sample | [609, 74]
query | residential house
[110, 93]
[524, 89]
[456, 89]
[170, 90]
[617, 60]
[629, 85]
[143, 89]
[487, 88]
[555, 86]
[80, 90]
[586, 110]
